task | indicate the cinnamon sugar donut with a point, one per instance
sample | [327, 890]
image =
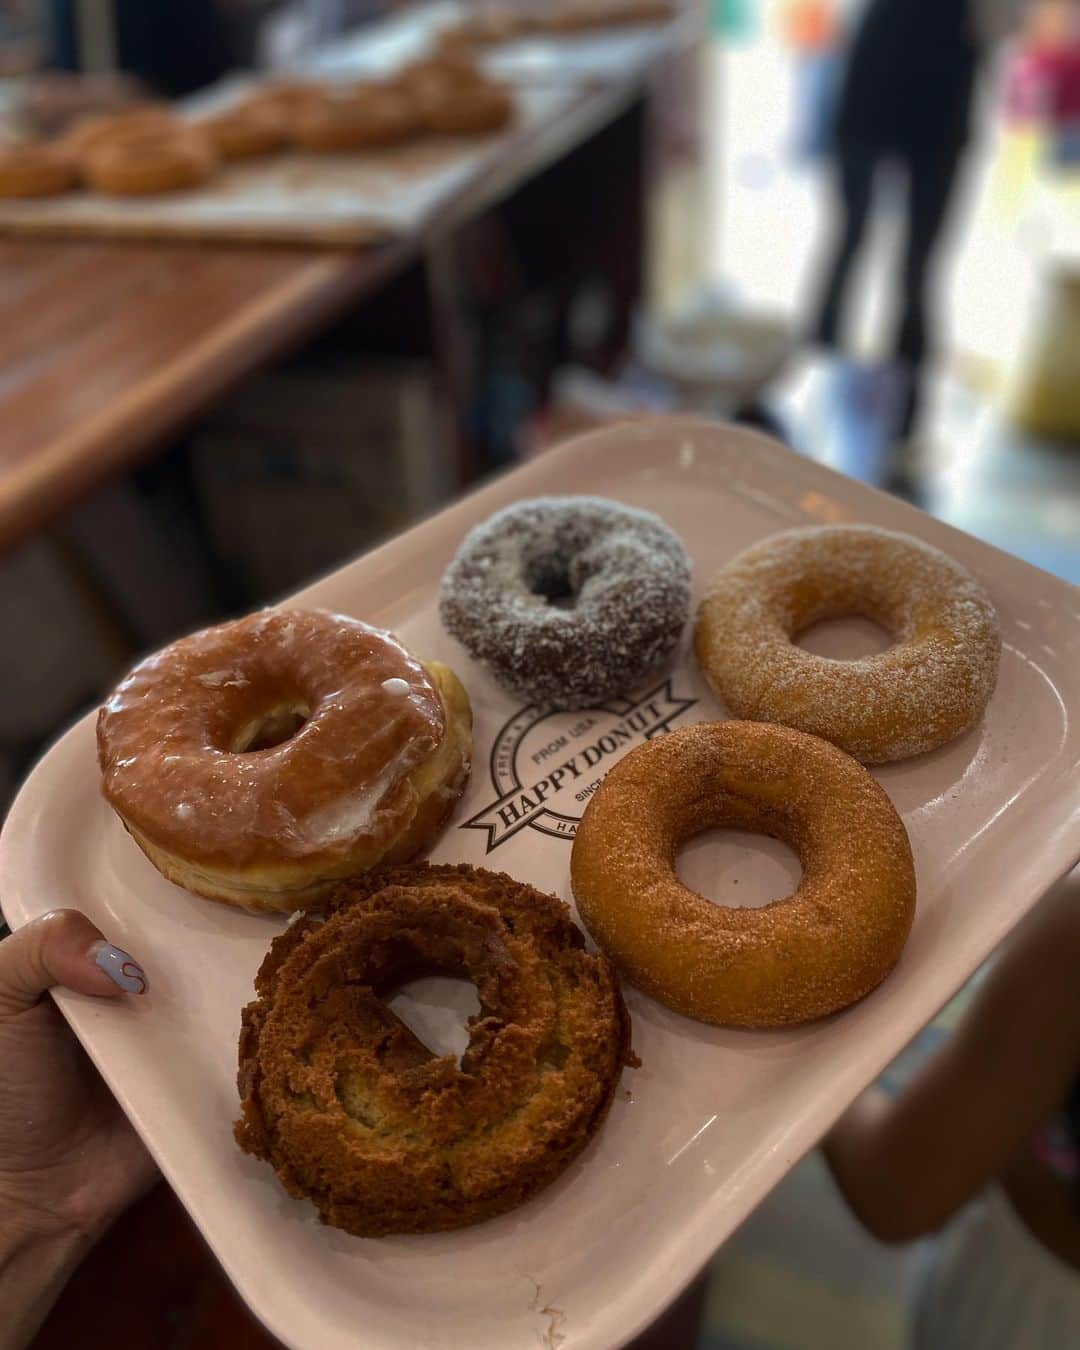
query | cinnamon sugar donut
[36, 171]
[933, 684]
[816, 951]
[149, 163]
[261, 761]
[355, 1113]
[364, 117]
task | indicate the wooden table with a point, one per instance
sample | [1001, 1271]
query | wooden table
[106, 348]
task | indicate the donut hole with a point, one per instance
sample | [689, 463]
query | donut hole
[851, 638]
[437, 1010]
[555, 1056]
[273, 727]
[737, 869]
[548, 577]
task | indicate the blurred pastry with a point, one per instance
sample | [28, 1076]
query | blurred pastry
[153, 161]
[36, 171]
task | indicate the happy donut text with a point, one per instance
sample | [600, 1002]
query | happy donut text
[539, 741]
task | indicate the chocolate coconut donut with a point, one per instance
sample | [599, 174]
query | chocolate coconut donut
[569, 601]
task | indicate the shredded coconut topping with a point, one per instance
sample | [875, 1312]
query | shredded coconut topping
[568, 600]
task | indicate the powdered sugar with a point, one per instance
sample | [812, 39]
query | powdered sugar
[930, 686]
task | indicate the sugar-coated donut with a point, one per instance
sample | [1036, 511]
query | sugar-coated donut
[36, 171]
[261, 761]
[359, 118]
[354, 1112]
[816, 951]
[931, 685]
[149, 163]
[568, 600]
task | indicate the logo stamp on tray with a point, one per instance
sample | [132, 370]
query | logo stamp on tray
[545, 764]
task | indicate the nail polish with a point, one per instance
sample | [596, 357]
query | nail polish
[121, 968]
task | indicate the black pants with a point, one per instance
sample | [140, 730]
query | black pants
[931, 173]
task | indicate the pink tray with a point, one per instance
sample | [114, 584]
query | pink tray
[714, 1118]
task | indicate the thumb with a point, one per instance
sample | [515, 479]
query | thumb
[63, 948]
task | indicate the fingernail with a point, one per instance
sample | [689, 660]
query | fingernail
[121, 968]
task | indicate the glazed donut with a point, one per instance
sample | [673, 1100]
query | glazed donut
[568, 600]
[150, 163]
[816, 951]
[261, 761]
[91, 133]
[245, 132]
[468, 108]
[354, 1112]
[931, 686]
[364, 117]
[36, 171]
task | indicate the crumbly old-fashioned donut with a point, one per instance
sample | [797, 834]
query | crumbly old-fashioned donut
[816, 951]
[261, 761]
[568, 600]
[930, 686]
[354, 1112]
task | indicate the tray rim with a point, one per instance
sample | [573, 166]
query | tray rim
[1060, 846]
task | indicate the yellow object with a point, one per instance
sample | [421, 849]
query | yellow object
[1046, 396]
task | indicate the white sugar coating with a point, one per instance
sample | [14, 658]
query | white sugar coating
[623, 573]
[929, 687]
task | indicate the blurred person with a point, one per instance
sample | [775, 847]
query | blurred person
[175, 46]
[905, 99]
[70, 1162]
[984, 1145]
[812, 31]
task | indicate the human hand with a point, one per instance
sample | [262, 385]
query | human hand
[69, 1160]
